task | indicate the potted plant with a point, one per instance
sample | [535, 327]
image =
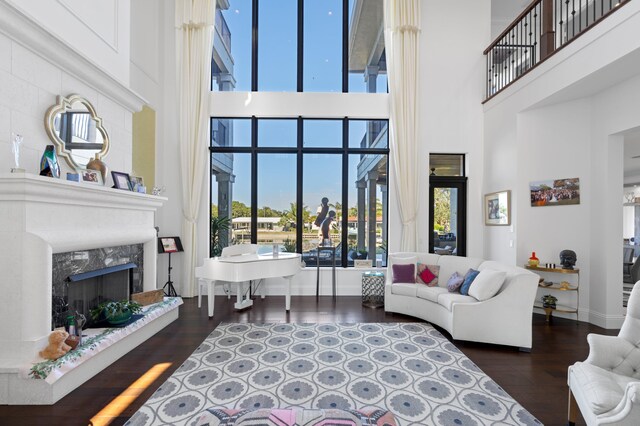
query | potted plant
[362, 254]
[549, 301]
[115, 313]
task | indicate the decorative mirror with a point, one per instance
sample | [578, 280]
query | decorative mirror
[76, 131]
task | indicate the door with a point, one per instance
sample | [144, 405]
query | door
[448, 215]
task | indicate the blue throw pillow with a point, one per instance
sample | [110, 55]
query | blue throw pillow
[468, 279]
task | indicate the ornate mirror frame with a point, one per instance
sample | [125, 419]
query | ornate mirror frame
[63, 104]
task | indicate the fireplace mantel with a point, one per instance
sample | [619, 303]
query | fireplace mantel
[40, 216]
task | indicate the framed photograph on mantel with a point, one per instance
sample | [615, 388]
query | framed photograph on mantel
[91, 176]
[497, 208]
[121, 180]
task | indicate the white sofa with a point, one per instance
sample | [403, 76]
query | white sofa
[504, 319]
[606, 386]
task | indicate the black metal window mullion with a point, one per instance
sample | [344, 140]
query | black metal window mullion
[254, 180]
[345, 46]
[345, 192]
[300, 45]
[299, 188]
[254, 46]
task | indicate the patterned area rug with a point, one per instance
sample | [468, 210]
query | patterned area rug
[407, 368]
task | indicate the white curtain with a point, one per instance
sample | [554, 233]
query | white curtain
[194, 44]
[401, 37]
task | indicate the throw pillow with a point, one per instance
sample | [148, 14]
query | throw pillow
[487, 284]
[427, 274]
[455, 282]
[468, 279]
[404, 273]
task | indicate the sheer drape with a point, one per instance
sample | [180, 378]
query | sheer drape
[194, 44]
[401, 37]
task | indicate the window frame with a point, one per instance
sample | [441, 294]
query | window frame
[255, 23]
[254, 150]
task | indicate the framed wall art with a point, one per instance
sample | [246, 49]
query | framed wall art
[555, 192]
[497, 208]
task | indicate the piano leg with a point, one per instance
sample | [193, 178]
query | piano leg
[210, 296]
[287, 297]
[241, 301]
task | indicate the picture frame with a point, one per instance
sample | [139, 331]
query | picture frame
[93, 177]
[555, 192]
[136, 183]
[497, 208]
[363, 263]
[121, 180]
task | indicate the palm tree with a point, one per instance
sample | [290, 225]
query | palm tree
[219, 224]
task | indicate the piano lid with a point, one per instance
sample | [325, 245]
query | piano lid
[245, 258]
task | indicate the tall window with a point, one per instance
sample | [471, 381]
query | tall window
[278, 180]
[299, 46]
[273, 189]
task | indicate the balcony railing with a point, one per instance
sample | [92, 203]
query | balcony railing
[543, 28]
[223, 29]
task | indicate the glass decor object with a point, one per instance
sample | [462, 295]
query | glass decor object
[15, 150]
[49, 163]
[533, 260]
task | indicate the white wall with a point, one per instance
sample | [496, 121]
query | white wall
[567, 119]
[452, 84]
[99, 30]
[29, 85]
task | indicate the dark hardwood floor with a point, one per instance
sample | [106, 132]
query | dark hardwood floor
[538, 380]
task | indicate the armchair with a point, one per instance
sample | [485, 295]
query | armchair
[606, 386]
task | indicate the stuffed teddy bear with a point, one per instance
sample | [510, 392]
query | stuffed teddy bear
[56, 347]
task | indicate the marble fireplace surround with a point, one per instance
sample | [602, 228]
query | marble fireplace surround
[40, 216]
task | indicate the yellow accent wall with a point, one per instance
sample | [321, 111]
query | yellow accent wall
[144, 146]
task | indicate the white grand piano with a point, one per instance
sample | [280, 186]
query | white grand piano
[241, 263]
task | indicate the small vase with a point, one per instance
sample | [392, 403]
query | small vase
[49, 163]
[533, 260]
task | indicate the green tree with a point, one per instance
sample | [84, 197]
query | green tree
[214, 210]
[268, 212]
[441, 209]
[289, 217]
[219, 225]
[239, 209]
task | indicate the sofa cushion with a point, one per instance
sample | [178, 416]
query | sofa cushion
[469, 277]
[294, 416]
[404, 273]
[399, 259]
[454, 283]
[427, 274]
[404, 289]
[450, 264]
[601, 388]
[448, 299]
[430, 293]
[487, 284]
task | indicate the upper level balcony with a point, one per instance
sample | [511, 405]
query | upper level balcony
[542, 29]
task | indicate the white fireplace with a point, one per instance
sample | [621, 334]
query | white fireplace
[40, 216]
